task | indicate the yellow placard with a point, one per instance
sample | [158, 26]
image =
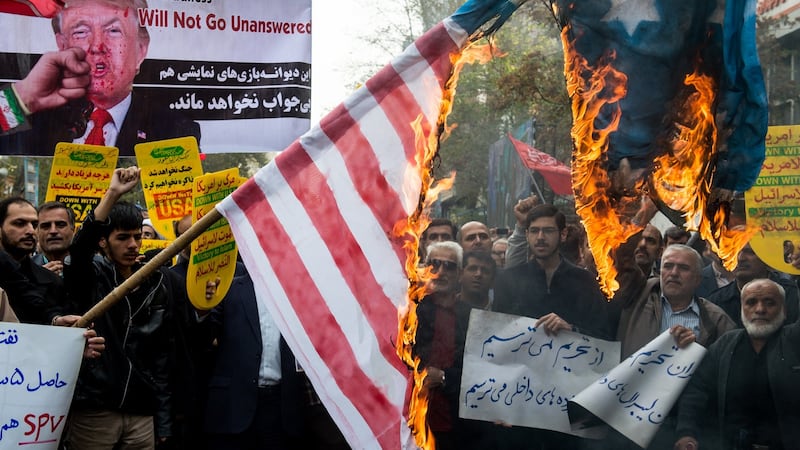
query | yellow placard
[214, 251]
[80, 176]
[168, 171]
[773, 203]
[153, 244]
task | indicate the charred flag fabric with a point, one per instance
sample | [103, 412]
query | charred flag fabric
[315, 229]
[656, 44]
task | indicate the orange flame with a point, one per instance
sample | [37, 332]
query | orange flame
[680, 178]
[411, 230]
[682, 175]
[605, 227]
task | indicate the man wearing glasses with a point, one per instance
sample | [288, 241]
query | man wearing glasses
[562, 295]
[441, 333]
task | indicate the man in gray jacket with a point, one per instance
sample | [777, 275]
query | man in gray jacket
[667, 302]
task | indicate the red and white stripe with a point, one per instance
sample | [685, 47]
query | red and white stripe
[315, 230]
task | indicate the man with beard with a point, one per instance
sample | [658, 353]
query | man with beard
[477, 279]
[54, 232]
[648, 251]
[18, 223]
[561, 295]
[748, 268]
[748, 380]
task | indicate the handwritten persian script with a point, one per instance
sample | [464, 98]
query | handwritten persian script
[636, 396]
[515, 373]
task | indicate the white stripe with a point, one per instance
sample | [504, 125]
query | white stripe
[422, 82]
[322, 268]
[381, 134]
[268, 290]
[387, 269]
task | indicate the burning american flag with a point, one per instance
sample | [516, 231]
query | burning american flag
[669, 110]
[323, 229]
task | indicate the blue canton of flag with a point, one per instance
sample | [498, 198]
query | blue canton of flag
[656, 44]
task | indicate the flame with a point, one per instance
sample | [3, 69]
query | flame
[600, 213]
[680, 178]
[682, 175]
[410, 231]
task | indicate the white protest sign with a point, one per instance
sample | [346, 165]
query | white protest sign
[515, 373]
[636, 396]
[38, 369]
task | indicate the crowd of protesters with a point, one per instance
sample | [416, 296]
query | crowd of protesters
[157, 373]
[742, 396]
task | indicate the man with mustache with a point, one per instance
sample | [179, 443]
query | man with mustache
[667, 302]
[747, 381]
[477, 278]
[441, 333]
[648, 251]
[560, 294]
[18, 223]
[748, 268]
[54, 233]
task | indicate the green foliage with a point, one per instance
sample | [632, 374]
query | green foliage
[526, 82]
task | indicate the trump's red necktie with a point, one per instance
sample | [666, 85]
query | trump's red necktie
[100, 117]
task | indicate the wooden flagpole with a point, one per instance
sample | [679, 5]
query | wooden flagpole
[160, 259]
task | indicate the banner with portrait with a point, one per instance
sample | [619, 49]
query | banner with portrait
[236, 74]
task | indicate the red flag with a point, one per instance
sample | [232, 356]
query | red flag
[554, 171]
[41, 8]
[315, 229]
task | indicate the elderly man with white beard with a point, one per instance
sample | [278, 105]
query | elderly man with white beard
[747, 381]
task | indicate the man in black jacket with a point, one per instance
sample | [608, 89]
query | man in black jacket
[747, 381]
[561, 295]
[120, 396]
[18, 222]
[750, 267]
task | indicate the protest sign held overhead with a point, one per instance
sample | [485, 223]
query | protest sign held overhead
[214, 252]
[80, 175]
[168, 171]
[773, 203]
